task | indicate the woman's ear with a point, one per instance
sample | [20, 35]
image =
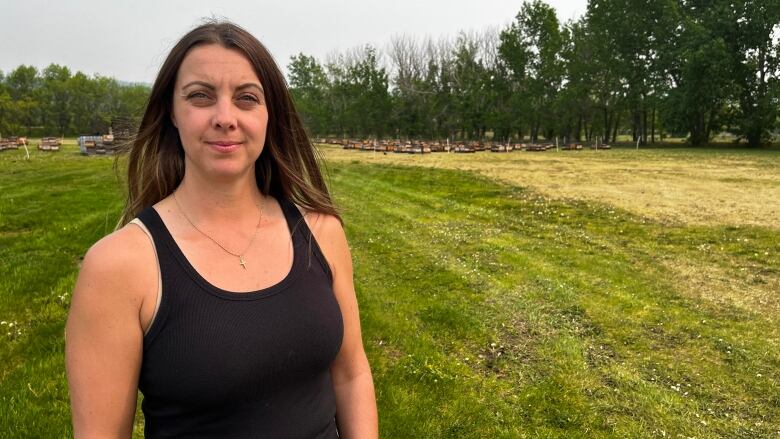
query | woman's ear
[173, 120]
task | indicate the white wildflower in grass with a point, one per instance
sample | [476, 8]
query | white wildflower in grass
[14, 330]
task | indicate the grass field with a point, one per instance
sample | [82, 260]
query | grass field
[674, 185]
[498, 297]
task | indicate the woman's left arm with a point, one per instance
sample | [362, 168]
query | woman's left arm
[356, 412]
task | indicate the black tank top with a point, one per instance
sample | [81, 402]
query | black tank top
[221, 364]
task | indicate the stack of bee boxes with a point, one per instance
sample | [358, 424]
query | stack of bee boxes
[102, 144]
[50, 144]
[12, 142]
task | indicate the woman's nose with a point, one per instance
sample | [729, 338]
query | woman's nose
[224, 118]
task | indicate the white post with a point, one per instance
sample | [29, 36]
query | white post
[27, 152]
[556, 143]
[637, 141]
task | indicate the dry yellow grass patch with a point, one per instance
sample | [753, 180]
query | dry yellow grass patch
[749, 288]
[679, 185]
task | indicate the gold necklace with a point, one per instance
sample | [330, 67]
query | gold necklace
[240, 256]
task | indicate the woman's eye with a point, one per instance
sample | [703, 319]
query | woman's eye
[249, 98]
[198, 96]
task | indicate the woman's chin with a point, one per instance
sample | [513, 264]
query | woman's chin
[227, 172]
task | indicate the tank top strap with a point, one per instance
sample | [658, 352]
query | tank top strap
[303, 238]
[170, 269]
[156, 227]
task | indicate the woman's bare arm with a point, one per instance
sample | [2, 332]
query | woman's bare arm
[356, 411]
[103, 334]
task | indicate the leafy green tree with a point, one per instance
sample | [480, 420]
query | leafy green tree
[437, 88]
[631, 37]
[54, 101]
[469, 88]
[530, 48]
[23, 85]
[358, 97]
[756, 68]
[337, 98]
[309, 85]
[573, 105]
[701, 83]
[371, 103]
[414, 81]
[22, 82]
[500, 116]
[132, 99]
[8, 115]
[56, 98]
[81, 104]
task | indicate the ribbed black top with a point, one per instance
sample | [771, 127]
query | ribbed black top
[221, 364]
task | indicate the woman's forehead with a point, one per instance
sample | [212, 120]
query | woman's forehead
[216, 65]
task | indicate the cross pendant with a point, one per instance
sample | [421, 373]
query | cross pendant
[243, 262]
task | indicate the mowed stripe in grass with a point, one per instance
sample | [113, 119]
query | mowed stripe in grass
[567, 316]
[487, 310]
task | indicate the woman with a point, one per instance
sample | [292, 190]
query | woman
[227, 295]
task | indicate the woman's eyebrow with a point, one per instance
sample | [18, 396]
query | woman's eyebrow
[201, 83]
[212, 87]
[251, 85]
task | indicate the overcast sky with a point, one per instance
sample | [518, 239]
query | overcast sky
[128, 40]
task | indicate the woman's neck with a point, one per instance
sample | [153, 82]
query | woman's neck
[234, 199]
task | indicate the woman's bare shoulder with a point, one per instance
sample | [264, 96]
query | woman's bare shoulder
[122, 262]
[322, 224]
[121, 250]
[329, 234]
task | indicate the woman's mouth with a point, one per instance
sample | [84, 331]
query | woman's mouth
[225, 145]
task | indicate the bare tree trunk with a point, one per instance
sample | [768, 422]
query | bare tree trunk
[588, 132]
[535, 131]
[578, 134]
[708, 127]
[615, 126]
[652, 128]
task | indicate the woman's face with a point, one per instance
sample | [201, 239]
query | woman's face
[219, 110]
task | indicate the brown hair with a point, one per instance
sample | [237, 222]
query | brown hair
[288, 165]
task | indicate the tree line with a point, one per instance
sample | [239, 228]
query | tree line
[682, 68]
[691, 68]
[56, 102]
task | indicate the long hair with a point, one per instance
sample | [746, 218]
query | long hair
[286, 168]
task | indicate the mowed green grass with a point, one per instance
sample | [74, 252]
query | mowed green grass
[52, 207]
[487, 309]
